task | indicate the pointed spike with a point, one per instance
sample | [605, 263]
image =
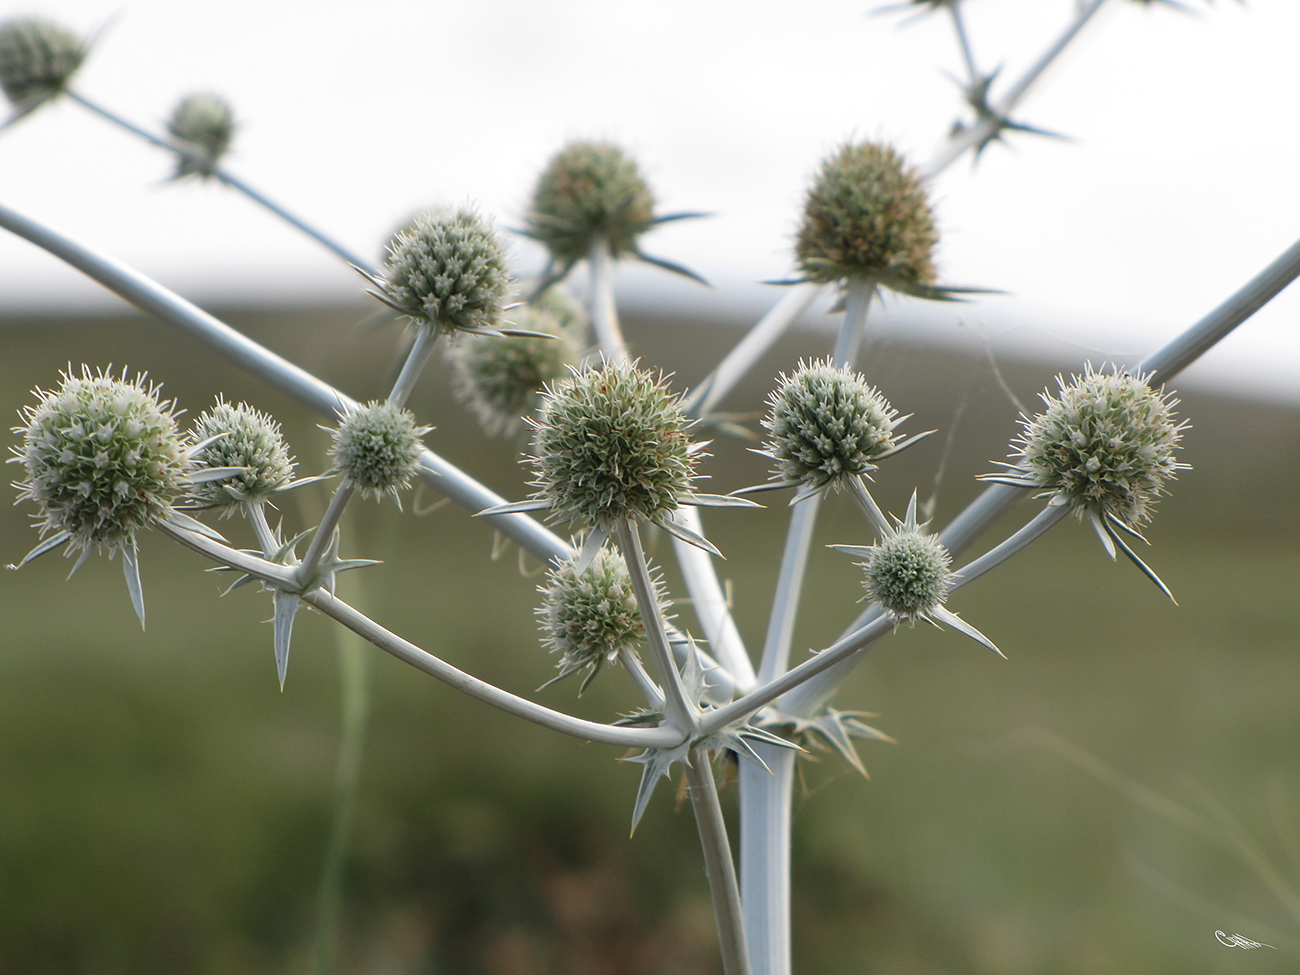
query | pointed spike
[1146, 569]
[957, 623]
[54, 541]
[286, 607]
[688, 536]
[131, 569]
[674, 268]
[594, 542]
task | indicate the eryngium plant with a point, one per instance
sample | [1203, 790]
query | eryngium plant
[867, 218]
[37, 60]
[204, 124]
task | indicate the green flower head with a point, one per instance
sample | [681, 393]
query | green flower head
[589, 617]
[377, 447]
[205, 124]
[37, 60]
[1105, 446]
[867, 217]
[827, 424]
[103, 459]
[448, 271]
[242, 437]
[611, 443]
[501, 378]
[590, 190]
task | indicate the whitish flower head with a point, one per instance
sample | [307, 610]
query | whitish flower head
[448, 271]
[204, 124]
[245, 438]
[37, 60]
[827, 423]
[908, 573]
[377, 447]
[501, 378]
[103, 459]
[590, 617]
[590, 190]
[867, 217]
[1105, 446]
[611, 443]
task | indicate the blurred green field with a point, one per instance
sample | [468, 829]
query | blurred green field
[1126, 783]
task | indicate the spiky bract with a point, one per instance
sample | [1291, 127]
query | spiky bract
[37, 60]
[447, 270]
[204, 123]
[1105, 445]
[611, 443]
[104, 458]
[867, 217]
[501, 378]
[245, 438]
[590, 617]
[908, 572]
[827, 423]
[377, 447]
[590, 190]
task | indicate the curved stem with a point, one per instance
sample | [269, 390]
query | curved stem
[237, 348]
[234, 182]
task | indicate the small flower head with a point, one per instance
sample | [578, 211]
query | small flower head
[590, 190]
[377, 447]
[37, 60]
[205, 124]
[908, 573]
[827, 424]
[501, 378]
[1104, 446]
[611, 443]
[103, 459]
[590, 617]
[447, 271]
[240, 436]
[867, 217]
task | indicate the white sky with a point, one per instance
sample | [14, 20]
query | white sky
[1181, 183]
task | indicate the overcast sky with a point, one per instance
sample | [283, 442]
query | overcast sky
[1179, 184]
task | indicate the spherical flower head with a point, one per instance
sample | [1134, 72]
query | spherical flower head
[245, 438]
[377, 447]
[1105, 445]
[501, 379]
[827, 423]
[866, 217]
[590, 617]
[37, 60]
[590, 191]
[610, 443]
[908, 572]
[205, 124]
[447, 271]
[103, 458]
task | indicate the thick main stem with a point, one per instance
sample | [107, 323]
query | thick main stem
[603, 310]
[717, 861]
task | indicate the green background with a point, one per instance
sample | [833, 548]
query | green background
[1122, 786]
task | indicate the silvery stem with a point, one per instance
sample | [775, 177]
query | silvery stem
[710, 604]
[324, 532]
[604, 312]
[416, 359]
[727, 915]
[963, 40]
[234, 182]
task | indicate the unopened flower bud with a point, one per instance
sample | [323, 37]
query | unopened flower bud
[245, 438]
[205, 125]
[377, 447]
[37, 60]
